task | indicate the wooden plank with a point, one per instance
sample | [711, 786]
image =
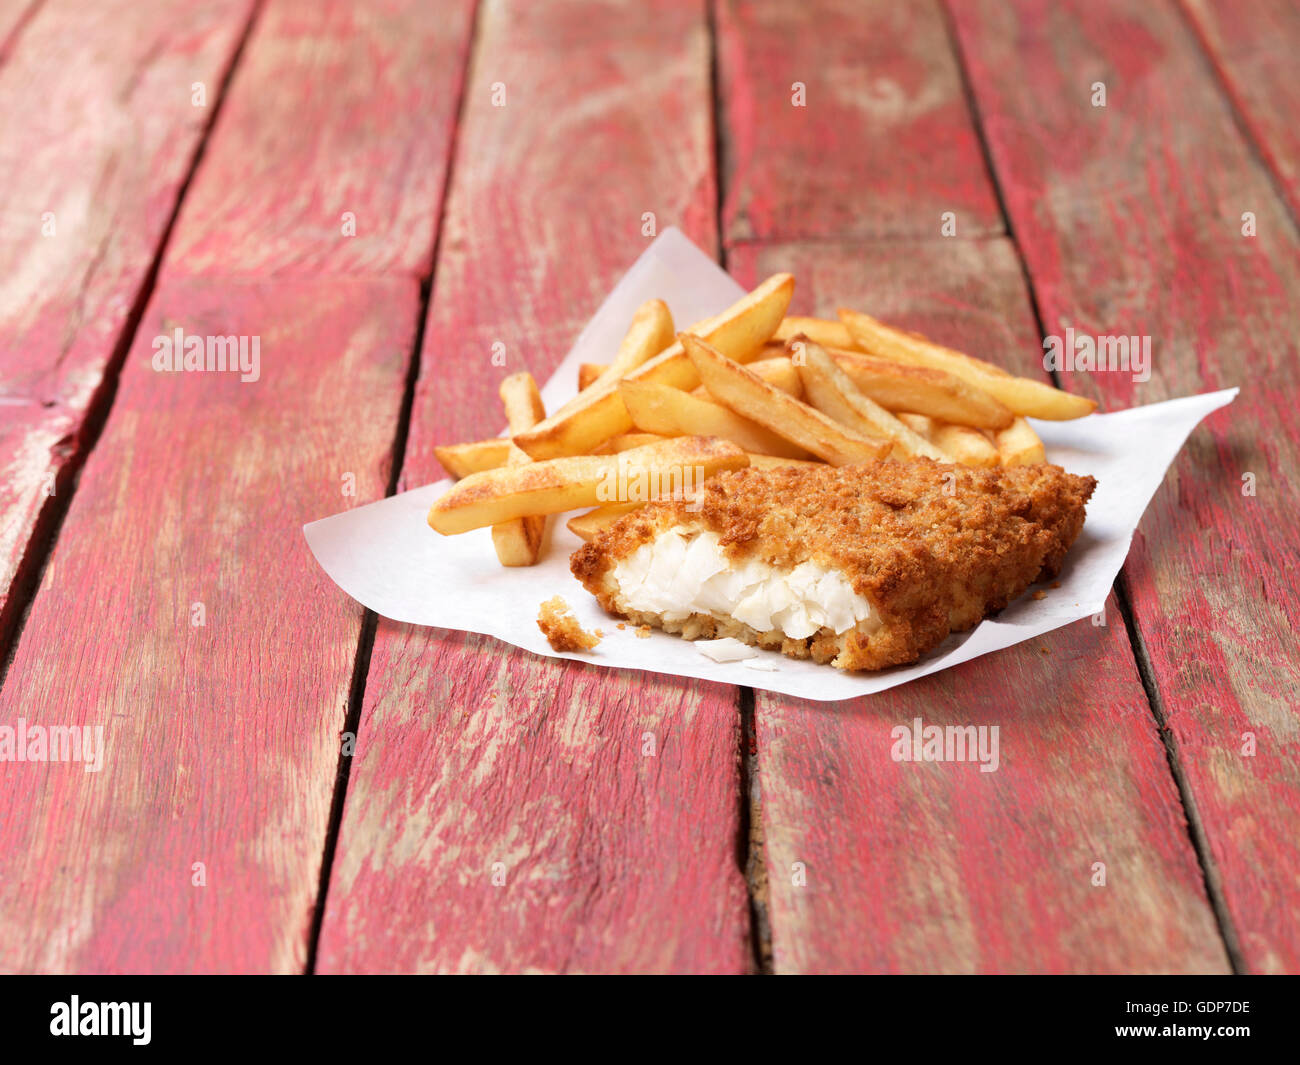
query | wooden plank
[550, 209]
[472, 753]
[305, 179]
[1253, 48]
[938, 866]
[98, 133]
[222, 738]
[169, 694]
[1130, 218]
[503, 815]
[14, 15]
[882, 113]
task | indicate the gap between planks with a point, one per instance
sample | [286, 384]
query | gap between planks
[1195, 828]
[369, 622]
[49, 523]
[366, 640]
[749, 838]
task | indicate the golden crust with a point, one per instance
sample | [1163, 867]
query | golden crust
[933, 547]
[561, 628]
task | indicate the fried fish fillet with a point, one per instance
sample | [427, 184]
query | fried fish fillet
[861, 566]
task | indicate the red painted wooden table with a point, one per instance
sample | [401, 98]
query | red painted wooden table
[382, 191]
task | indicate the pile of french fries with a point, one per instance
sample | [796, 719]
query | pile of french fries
[751, 387]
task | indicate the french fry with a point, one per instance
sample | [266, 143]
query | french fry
[627, 441]
[1019, 445]
[776, 369]
[970, 447]
[589, 373]
[1020, 394]
[739, 388]
[833, 392]
[650, 332]
[521, 401]
[671, 412]
[589, 523]
[460, 460]
[597, 413]
[772, 462]
[921, 424]
[518, 541]
[874, 337]
[553, 486]
[824, 331]
[775, 366]
[898, 386]
[965, 445]
[780, 372]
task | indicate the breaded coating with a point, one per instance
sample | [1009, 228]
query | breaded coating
[933, 547]
[561, 628]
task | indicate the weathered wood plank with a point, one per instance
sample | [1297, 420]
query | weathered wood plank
[1253, 47]
[14, 14]
[883, 113]
[472, 753]
[97, 134]
[550, 209]
[304, 178]
[182, 613]
[270, 454]
[938, 866]
[1130, 217]
[505, 814]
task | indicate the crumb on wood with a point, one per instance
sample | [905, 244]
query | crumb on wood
[643, 632]
[1044, 650]
[1040, 594]
[561, 628]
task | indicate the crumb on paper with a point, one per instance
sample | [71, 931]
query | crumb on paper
[726, 649]
[621, 625]
[763, 664]
[1040, 594]
[561, 628]
[1055, 584]
[643, 632]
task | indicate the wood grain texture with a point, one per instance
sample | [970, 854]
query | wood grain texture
[1253, 48]
[1130, 217]
[509, 814]
[98, 133]
[222, 739]
[14, 14]
[473, 753]
[339, 108]
[937, 866]
[547, 209]
[884, 112]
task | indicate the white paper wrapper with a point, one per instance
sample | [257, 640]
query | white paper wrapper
[386, 557]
